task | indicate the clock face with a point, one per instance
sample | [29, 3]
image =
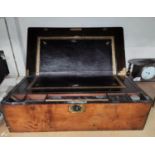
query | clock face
[148, 73]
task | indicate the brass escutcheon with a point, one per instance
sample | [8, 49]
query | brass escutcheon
[75, 108]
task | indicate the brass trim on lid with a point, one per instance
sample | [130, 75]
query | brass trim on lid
[38, 56]
[113, 56]
[114, 68]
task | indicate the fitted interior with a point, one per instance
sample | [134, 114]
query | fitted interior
[75, 64]
[75, 82]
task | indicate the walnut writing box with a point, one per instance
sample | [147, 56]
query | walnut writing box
[76, 80]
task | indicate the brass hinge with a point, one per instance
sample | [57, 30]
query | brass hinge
[122, 72]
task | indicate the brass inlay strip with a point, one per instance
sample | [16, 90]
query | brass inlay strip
[70, 100]
[38, 57]
[119, 81]
[32, 83]
[113, 56]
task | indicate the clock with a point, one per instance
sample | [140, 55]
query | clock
[148, 73]
[142, 69]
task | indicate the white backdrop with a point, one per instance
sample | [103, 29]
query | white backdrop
[139, 33]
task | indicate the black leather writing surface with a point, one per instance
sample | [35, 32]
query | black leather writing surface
[84, 56]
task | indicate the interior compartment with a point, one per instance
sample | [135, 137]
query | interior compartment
[76, 82]
[84, 98]
[80, 98]
[137, 97]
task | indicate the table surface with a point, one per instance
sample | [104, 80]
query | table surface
[148, 131]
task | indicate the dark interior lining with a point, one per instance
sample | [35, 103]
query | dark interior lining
[73, 55]
[75, 82]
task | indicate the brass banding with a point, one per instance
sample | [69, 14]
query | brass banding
[39, 39]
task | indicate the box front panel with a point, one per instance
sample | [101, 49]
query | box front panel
[67, 117]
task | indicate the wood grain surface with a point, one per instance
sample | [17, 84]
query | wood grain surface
[54, 117]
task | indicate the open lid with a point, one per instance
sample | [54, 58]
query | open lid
[86, 51]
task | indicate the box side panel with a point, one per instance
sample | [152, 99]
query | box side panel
[57, 117]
